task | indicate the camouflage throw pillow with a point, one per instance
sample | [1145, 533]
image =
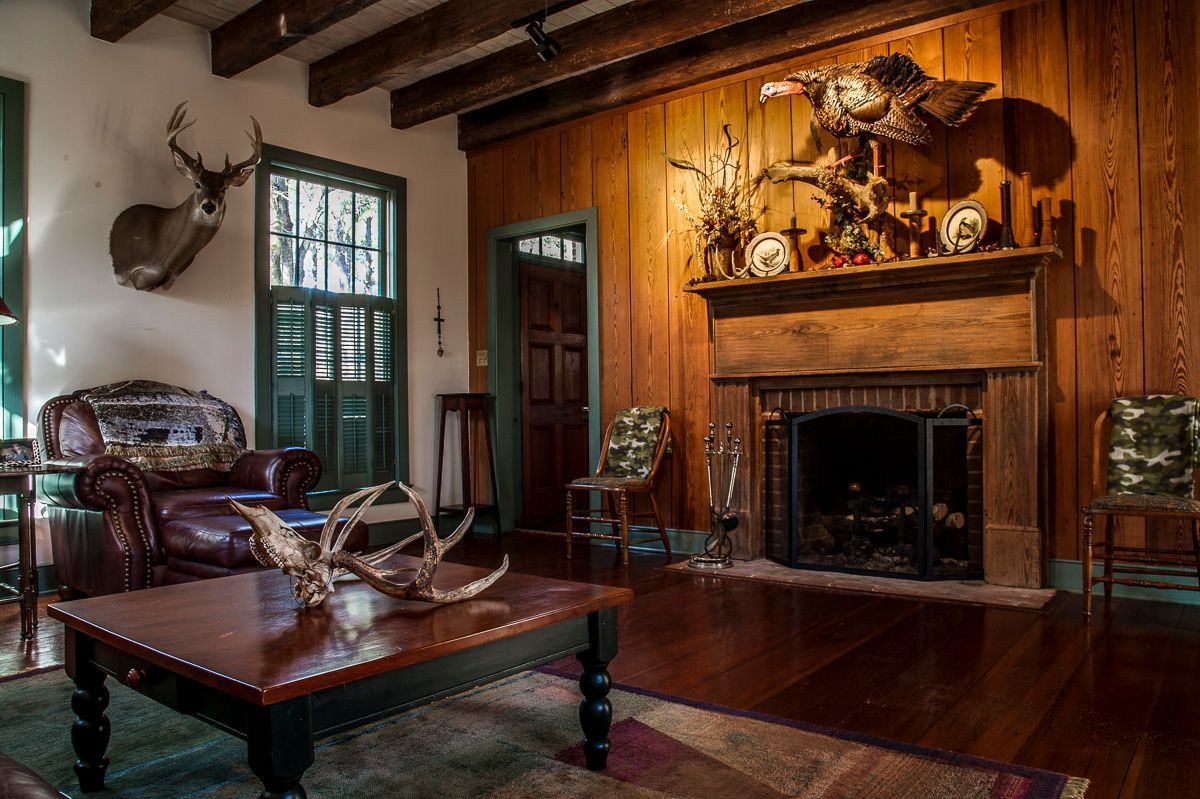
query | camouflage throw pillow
[633, 442]
[1153, 449]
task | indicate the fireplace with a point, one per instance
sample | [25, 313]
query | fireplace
[908, 337]
[875, 490]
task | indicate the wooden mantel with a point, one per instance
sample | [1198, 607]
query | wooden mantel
[976, 320]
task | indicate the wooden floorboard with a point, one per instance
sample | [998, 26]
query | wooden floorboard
[1113, 701]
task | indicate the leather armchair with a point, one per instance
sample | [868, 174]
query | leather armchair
[108, 520]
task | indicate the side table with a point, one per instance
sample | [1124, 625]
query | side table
[20, 481]
[466, 405]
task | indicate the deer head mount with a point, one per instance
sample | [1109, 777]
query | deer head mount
[151, 246]
[314, 565]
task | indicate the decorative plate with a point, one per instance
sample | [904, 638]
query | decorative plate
[963, 228]
[768, 254]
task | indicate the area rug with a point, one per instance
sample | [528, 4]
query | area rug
[971, 592]
[516, 738]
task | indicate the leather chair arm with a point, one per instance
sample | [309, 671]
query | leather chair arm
[103, 530]
[100, 482]
[290, 472]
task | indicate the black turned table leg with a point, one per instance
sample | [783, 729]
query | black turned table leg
[91, 730]
[279, 746]
[595, 711]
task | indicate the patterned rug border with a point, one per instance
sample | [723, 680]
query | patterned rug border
[1068, 787]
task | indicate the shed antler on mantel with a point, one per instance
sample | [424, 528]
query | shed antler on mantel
[316, 564]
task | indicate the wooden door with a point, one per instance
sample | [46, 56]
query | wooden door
[554, 425]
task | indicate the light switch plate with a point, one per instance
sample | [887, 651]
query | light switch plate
[481, 357]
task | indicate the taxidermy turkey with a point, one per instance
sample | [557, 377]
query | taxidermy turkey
[880, 97]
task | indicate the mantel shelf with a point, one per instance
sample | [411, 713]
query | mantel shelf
[916, 271]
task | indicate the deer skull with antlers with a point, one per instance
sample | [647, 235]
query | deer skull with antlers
[316, 564]
[151, 246]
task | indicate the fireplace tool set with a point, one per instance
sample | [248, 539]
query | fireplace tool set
[721, 458]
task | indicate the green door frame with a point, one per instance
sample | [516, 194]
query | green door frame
[504, 343]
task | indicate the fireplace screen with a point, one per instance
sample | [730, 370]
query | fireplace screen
[878, 491]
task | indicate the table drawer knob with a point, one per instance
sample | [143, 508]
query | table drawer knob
[135, 677]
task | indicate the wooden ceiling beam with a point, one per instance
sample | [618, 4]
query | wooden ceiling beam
[441, 31]
[769, 39]
[272, 26]
[632, 29]
[112, 19]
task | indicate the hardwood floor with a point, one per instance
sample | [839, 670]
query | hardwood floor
[1114, 700]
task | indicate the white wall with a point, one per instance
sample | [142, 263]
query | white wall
[96, 113]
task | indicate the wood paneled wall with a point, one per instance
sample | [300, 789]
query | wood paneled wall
[1096, 98]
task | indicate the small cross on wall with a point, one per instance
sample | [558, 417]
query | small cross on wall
[438, 318]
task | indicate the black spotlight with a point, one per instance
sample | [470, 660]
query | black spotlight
[547, 47]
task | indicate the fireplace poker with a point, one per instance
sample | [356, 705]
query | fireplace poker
[733, 472]
[708, 453]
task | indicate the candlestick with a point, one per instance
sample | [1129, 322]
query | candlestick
[1007, 239]
[1046, 221]
[914, 215]
[1023, 214]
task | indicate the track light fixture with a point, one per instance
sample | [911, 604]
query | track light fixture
[547, 47]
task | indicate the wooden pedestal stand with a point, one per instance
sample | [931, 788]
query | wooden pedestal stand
[465, 405]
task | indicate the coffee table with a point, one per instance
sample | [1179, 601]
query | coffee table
[241, 654]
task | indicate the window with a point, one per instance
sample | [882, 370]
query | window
[331, 258]
[553, 247]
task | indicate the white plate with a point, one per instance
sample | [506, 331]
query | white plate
[963, 227]
[768, 254]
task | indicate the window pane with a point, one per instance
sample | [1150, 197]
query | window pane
[552, 246]
[283, 204]
[283, 260]
[341, 268]
[312, 264]
[312, 210]
[366, 272]
[573, 251]
[370, 212]
[341, 216]
[528, 246]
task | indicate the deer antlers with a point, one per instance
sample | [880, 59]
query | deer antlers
[315, 565]
[255, 155]
[176, 125]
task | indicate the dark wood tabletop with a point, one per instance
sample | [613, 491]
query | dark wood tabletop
[248, 637]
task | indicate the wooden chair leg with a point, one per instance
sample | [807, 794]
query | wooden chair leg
[1196, 546]
[570, 520]
[1086, 557]
[662, 530]
[611, 506]
[623, 509]
[1106, 535]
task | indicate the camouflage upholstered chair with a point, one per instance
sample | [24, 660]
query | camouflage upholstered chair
[633, 449]
[1145, 466]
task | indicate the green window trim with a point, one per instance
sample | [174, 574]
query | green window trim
[12, 278]
[313, 301]
[12, 253]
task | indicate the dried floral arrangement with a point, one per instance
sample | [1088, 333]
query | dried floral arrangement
[726, 219]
